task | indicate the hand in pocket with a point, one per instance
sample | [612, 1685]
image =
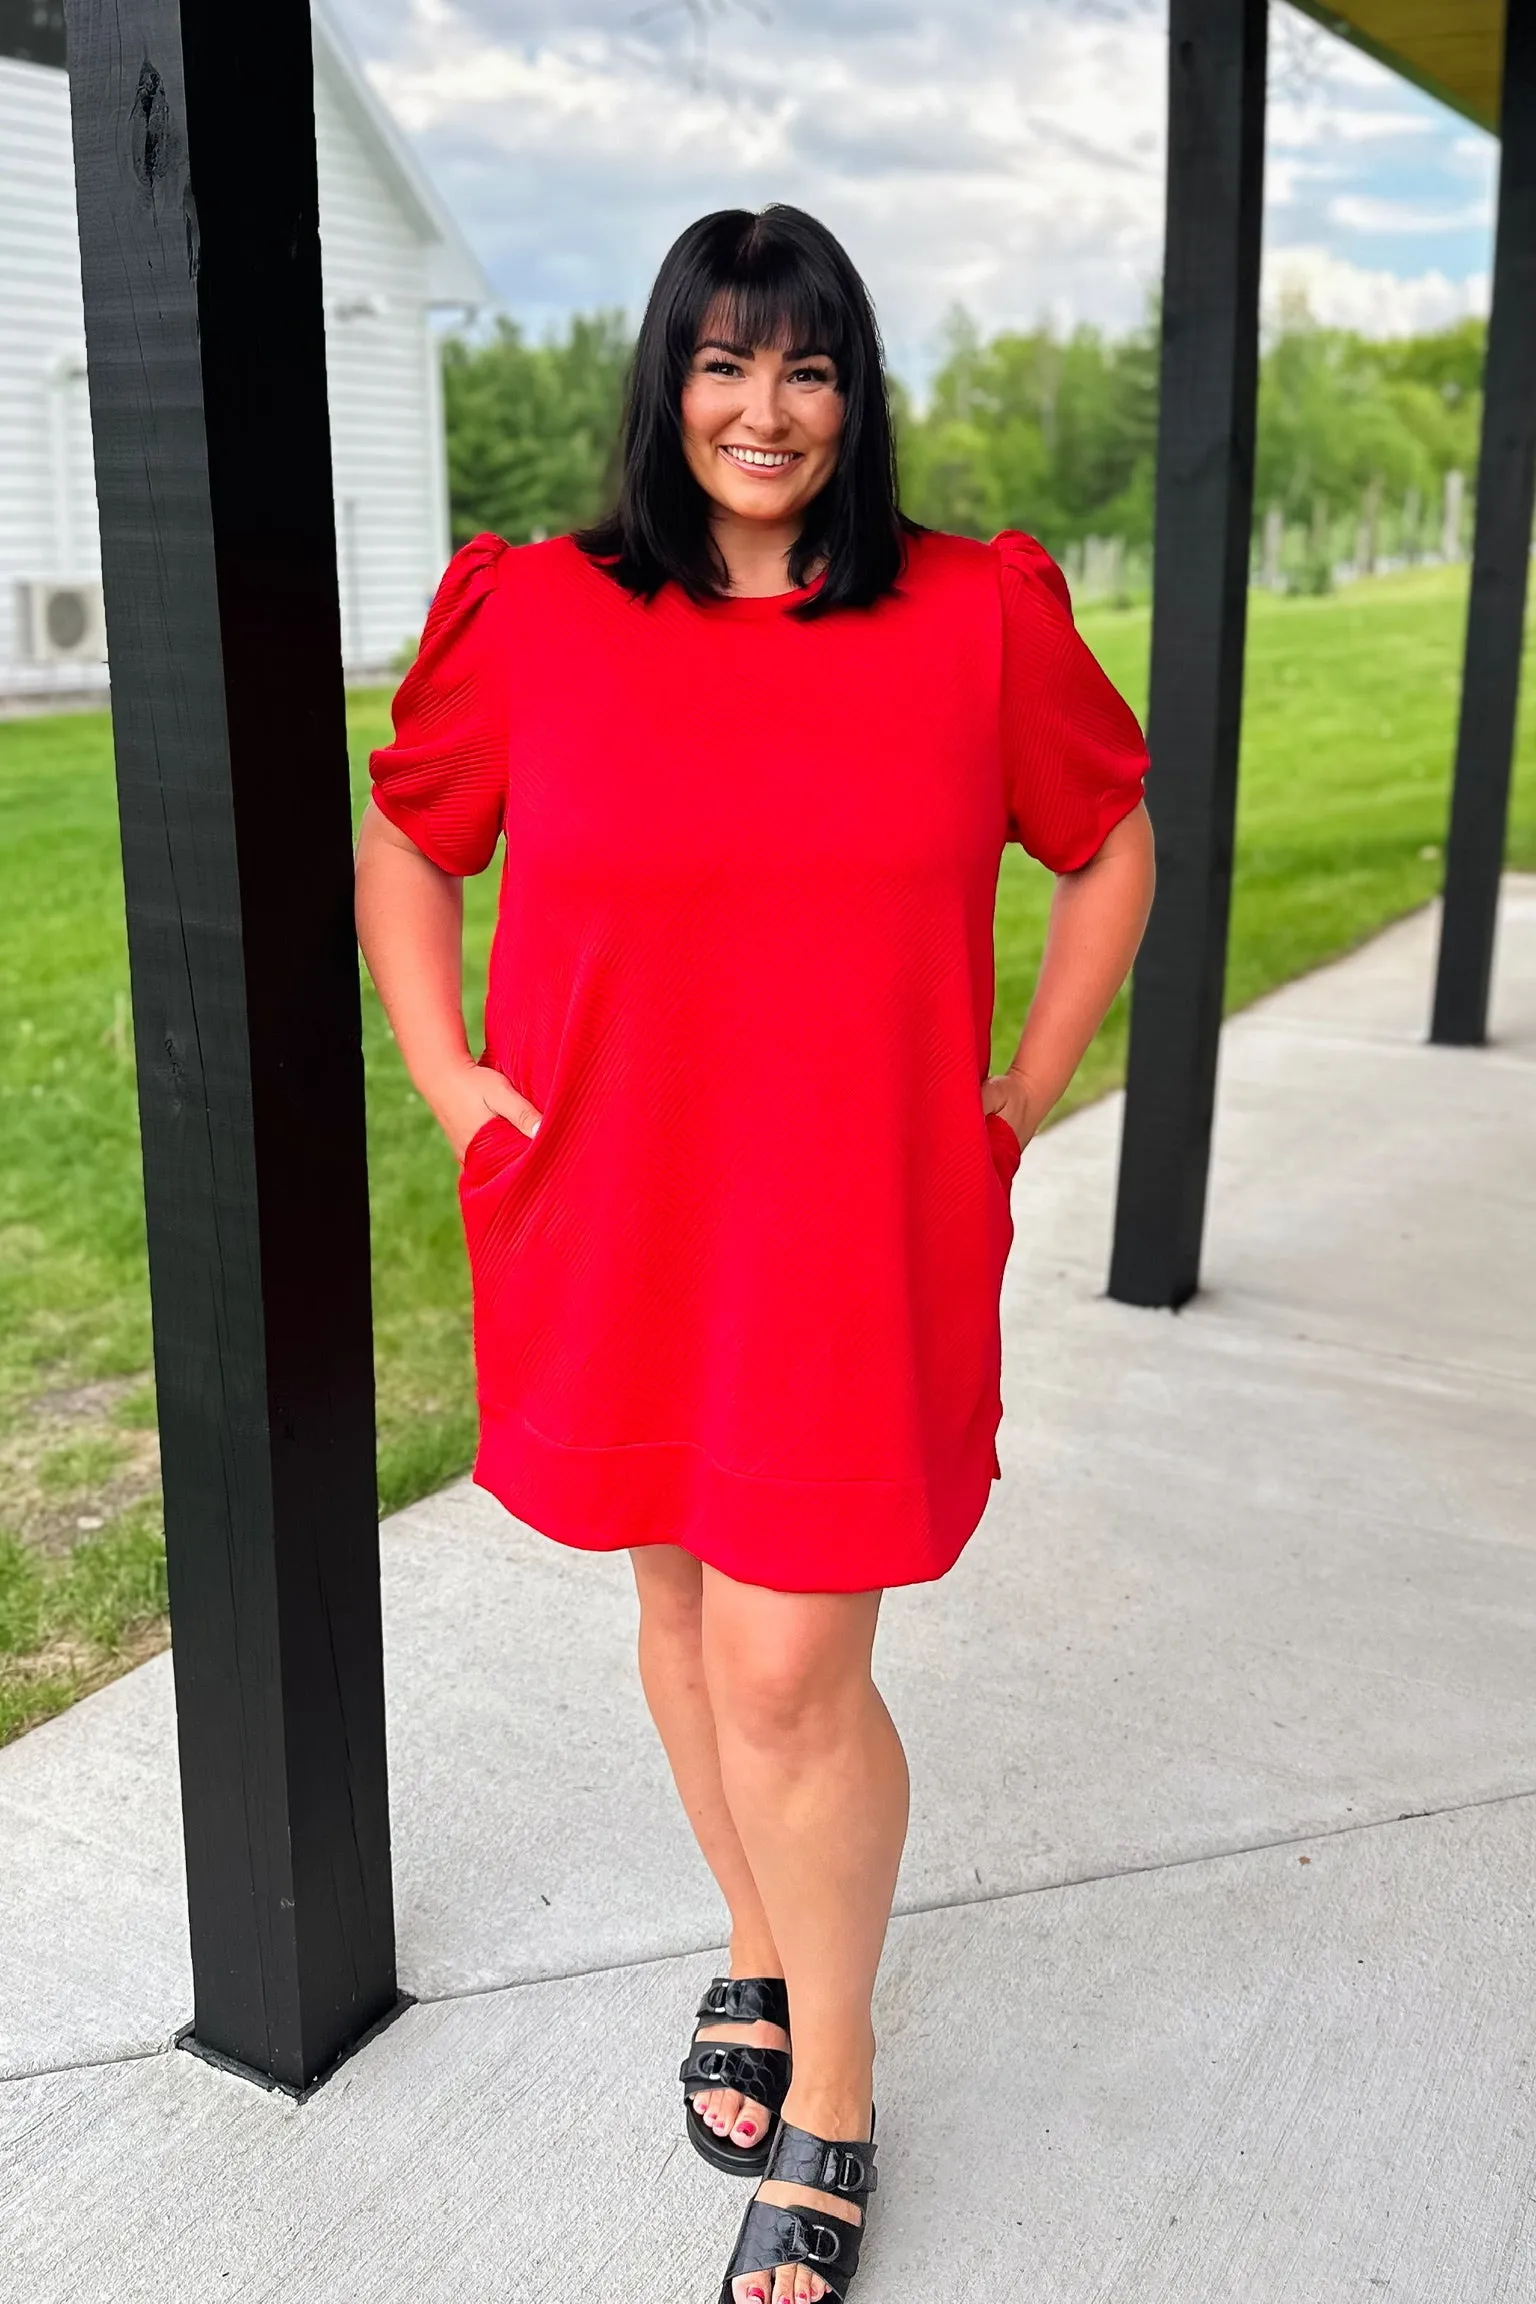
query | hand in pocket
[465, 1102]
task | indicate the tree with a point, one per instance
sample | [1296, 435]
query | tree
[533, 428]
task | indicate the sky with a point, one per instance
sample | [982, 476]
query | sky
[1007, 158]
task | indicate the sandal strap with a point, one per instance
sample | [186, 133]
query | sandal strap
[761, 2073]
[826, 2245]
[846, 2170]
[746, 2000]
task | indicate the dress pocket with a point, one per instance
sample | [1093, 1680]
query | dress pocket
[495, 1140]
[1007, 1151]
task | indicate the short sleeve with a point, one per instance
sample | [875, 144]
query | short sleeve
[443, 780]
[1074, 755]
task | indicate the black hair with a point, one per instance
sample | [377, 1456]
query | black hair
[778, 278]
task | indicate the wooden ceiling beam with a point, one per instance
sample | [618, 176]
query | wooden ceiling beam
[1449, 48]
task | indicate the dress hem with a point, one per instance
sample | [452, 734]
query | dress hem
[879, 1533]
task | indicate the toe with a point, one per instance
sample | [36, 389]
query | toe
[749, 2123]
[784, 2285]
[751, 2288]
[725, 2110]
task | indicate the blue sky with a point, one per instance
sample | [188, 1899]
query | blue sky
[1008, 158]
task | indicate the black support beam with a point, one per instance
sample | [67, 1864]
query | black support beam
[1209, 392]
[1501, 559]
[195, 166]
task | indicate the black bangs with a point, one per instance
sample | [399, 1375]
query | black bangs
[776, 279]
[777, 303]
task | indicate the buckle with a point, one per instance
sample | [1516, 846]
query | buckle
[803, 2236]
[845, 2171]
[732, 2000]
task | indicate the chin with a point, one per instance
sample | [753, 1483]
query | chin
[755, 502]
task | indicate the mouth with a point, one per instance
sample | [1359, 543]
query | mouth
[766, 462]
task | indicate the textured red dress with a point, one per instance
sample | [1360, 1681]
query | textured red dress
[740, 1291]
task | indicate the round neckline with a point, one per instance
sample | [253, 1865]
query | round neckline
[753, 606]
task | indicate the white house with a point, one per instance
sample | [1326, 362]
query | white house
[392, 256]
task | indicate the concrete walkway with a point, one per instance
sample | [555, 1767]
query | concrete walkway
[1215, 1967]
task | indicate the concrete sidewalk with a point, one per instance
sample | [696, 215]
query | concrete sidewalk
[1215, 1966]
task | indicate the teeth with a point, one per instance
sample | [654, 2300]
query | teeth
[761, 455]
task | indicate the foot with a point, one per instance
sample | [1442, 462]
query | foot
[827, 2116]
[724, 2111]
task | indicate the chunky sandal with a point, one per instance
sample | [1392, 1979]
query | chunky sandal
[759, 2073]
[824, 2244]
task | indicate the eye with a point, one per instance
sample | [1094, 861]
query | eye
[811, 376]
[718, 365]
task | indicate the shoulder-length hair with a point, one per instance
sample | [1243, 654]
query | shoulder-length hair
[779, 279]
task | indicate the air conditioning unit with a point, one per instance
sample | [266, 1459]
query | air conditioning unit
[63, 623]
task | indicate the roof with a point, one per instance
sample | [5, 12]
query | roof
[453, 272]
[1454, 49]
[33, 31]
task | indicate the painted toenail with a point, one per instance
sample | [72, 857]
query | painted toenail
[747, 2128]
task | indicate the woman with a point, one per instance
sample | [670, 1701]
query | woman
[735, 1180]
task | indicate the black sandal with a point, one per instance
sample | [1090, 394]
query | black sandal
[759, 2073]
[824, 2244]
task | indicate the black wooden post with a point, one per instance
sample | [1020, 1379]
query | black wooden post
[1209, 391]
[1506, 501]
[195, 164]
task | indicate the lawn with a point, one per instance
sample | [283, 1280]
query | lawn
[1347, 742]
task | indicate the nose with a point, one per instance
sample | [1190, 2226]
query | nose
[763, 409]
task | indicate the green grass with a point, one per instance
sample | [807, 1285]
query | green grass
[1347, 742]
[1348, 728]
[66, 1625]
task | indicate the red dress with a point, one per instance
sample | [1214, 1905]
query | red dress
[740, 1291]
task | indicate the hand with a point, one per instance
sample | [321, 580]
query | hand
[465, 1100]
[1009, 1094]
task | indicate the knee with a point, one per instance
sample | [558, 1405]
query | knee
[781, 1697]
[671, 1606]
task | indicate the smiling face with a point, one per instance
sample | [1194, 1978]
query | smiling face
[760, 425]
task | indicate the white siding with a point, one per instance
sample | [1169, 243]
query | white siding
[386, 422]
[47, 491]
[386, 435]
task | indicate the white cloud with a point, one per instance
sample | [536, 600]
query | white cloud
[1355, 212]
[1343, 295]
[1009, 158]
[1294, 126]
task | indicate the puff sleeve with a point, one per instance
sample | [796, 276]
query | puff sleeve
[443, 780]
[1073, 751]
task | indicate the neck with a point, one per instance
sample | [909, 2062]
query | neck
[755, 552]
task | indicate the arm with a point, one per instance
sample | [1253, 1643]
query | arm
[410, 923]
[1097, 918]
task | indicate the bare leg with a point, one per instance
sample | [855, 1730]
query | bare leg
[670, 1585]
[816, 1781]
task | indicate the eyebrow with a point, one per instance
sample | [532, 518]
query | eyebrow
[745, 351]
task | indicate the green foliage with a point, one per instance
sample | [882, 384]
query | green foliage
[1341, 415]
[532, 428]
[1035, 431]
[1058, 435]
[1031, 429]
